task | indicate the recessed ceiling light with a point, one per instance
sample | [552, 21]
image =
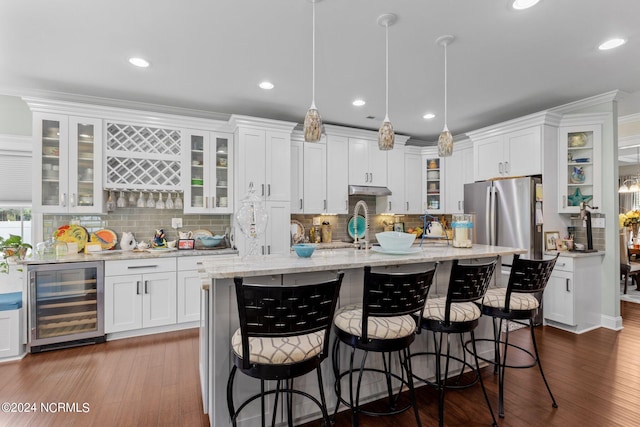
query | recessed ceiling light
[611, 44]
[266, 85]
[358, 102]
[428, 116]
[139, 62]
[523, 4]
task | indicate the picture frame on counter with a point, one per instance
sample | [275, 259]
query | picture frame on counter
[186, 244]
[551, 239]
[398, 226]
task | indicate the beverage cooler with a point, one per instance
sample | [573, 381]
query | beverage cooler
[66, 303]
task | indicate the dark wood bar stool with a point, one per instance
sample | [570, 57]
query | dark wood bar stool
[382, 323]
[518, 301]
[283, 334]
[456, 314]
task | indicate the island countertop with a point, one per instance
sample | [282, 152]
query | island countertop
[339, 259]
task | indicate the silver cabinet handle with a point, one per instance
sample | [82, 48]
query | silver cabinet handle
[268, 249]
[506, 167]
[564, 201]
[63, 200]
[407, 206]
[500, 168]
[346, 205]
[138, 287]
[458, 204]
[561, 264]
[366, 177]
[146, 286]
[262, 249]
[268, 189]
[371, 176]
[389, 205]
[206, 202]
[324, 204]
[262, 189]
[72, 200]
[567, 280]
[300, 204]
[133, 267]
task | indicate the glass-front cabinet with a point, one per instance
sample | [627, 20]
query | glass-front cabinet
[208, 172]
[434, 188]
[68, 164]
[579, 166]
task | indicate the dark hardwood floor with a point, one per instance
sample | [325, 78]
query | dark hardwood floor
[153, 381]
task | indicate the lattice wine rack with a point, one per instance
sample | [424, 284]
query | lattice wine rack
[143, 158]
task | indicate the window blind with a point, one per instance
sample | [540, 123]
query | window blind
[16, 170]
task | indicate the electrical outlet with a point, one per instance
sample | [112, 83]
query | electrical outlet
[176, 222]
[599, 222]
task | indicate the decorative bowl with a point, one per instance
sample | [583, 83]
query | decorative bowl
[209, 241]
[304, 250]
[395, 240]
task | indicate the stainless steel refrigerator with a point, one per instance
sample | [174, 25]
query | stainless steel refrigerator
[505, 214]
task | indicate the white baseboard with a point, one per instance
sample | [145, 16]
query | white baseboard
[150, 331]
[611, 322]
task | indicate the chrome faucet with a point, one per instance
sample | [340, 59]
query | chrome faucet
[357, 243]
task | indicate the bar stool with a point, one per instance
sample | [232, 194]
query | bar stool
[283, 334]
[382, 323]
[518, 301]
[456, 314]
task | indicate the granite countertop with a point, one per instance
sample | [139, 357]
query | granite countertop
[338, 259]
[575, 254]
[118, 255]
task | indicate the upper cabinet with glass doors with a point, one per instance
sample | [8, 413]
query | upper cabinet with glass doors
[68, 164]
[208, 172]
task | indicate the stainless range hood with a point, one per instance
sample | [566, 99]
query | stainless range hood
[367, 190]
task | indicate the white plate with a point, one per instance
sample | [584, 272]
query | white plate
[411, 250]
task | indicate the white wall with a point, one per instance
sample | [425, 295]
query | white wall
[15, 116]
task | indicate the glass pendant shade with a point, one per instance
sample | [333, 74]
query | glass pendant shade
[312, 120]
[623, 189]
[386, 136]
[445, 143]
[312, 125]
[635, 188]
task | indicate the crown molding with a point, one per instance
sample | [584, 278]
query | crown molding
[614, 95]
[546, 117]
[16, 145]
[236, 121]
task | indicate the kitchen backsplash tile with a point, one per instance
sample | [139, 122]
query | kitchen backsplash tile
[142, 222]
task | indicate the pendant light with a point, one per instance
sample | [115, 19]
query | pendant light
[445, 141]
[386, 136]
[313, 120]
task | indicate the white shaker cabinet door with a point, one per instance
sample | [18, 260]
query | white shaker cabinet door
[297, 177]
[189, 288]
[278, 158]
[524, 152]
[337, 174]
[488, 158]
[359, 161]
[122, 303]
[315, 178]
[251, 159]
[413, 184]
[159, 299]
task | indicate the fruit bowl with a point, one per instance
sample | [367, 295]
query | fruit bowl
[210, 241]
[304, 250]
[395, 240]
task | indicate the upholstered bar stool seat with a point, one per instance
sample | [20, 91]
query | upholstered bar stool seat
[456, 314]
[283, 334]
[382, 323]
[518, 302]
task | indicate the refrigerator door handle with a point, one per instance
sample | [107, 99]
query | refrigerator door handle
[492, 217]
[487, 216]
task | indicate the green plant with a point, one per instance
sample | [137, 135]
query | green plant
[12, 248]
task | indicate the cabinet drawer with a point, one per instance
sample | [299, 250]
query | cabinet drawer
[564, 264]
[139, 266]
[192, 262]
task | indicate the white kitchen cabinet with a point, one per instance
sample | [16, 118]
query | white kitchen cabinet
[413, 202]
[143, 298]
[572, 299]
[189, 288]
[67, 164]
[337, 174]
[208, 172]
[367, 163]
[457, 173]
[515, 153]
[308, 177]
[395, 203]
[579, 162]
[434, 179]
[264, 159]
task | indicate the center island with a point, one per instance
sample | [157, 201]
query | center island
[220, 316]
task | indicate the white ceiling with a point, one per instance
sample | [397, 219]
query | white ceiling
[211, 54]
